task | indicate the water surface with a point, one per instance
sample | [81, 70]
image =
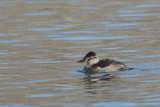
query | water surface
[41, 41]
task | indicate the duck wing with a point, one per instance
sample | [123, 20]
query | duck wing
[106, 62]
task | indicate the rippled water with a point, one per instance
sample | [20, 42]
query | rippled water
[40, 42]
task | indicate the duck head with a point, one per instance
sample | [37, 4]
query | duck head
[90, 58]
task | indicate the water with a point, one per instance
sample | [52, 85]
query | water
[41, 41]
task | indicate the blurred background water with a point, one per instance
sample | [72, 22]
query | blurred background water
[40, 42]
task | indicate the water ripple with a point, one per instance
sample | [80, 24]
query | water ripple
[128, 15]
[43, 62]
[66, 88]
[81, 32]
[11, 67]
[11, 41]
[29, 82]
[36, 14]
[8, 53]
[116, 104]
[124, 24]
[17, 106]
[147, 5]
[9, 75]
[20, 87]
[48, 95]
[130, 50]
[42, 29]
[90, 38]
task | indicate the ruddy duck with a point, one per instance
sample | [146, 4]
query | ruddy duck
[105, 65]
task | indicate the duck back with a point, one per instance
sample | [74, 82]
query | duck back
[106, 65]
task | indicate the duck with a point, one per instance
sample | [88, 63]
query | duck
[94, 64]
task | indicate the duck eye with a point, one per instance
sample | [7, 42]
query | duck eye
[94, 57]
[88, 59]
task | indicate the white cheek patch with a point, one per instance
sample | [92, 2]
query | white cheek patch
[93, 61]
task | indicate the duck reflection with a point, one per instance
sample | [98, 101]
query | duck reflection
[93, 78]
[95, 81]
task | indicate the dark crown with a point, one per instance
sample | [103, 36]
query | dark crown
[89, 54]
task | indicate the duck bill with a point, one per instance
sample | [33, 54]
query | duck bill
[81, 61]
